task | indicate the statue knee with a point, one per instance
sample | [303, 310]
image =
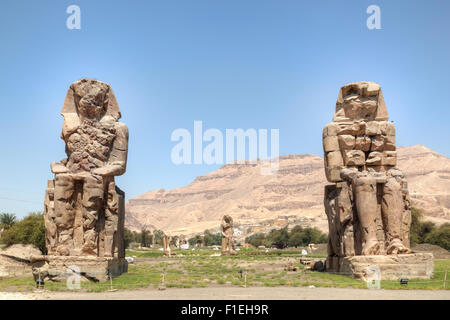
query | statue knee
[64, 187]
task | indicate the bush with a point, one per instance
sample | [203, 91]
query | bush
[282, 238]
[279, 238]
[419, 230]
[129, 237]
[195, 240]
[159, 235]
[145, 238]
[256, 240]
[29, 230]
[440, 236]
[427, 232]
[212, 239]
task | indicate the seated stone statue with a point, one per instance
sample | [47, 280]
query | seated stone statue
[368, 205]
[84, 210]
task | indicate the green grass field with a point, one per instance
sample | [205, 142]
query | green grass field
[205, 267]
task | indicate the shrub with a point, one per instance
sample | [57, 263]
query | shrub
[281, 238]
[419, 230]
[256, 239]
[29, 230]
[440, 236]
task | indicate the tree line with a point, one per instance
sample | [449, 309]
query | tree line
[31, 230]
[208, 239]
[427, 231]
[282, 238]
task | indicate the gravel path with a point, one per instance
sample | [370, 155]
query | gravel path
[17, 296]
[236, 293]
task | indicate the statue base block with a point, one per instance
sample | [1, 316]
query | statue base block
[59, 268]
[392, 267]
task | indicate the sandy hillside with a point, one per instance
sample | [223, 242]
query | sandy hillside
[295, 191]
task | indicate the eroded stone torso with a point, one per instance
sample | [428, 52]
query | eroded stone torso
[89, 146]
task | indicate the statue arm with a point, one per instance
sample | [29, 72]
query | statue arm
[117, 163]
[57, 167]
[348, 174]
[70, 125]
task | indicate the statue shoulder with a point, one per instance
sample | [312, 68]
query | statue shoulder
[121, 129]
[121, 126]
[70, 124]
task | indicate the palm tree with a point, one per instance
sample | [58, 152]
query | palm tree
[7, 220]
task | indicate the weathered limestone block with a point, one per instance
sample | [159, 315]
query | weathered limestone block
[354, 158]
[346, 142]
[330, 143]
[363, 143]
[333, 174]
[389, 143]
[331, 129]
[352, 128]
[390, 158]
[334, 159]
[392, 267]
[368, 207]
[373, 128]
[59, 268]
[374, 158]
[84, 211]
[390, 129]
[377, 143]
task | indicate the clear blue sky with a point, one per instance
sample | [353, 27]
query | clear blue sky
[230, 63]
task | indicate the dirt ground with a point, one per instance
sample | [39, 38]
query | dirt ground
[236, 293]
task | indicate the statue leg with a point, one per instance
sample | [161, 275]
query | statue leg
[231, 245]
[367, 206]
[224, 245]
[49, 219]
[392, 209]
[93, 195]
[64, 213]
[111, 219]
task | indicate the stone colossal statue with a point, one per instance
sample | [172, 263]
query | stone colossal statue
[84, 209]
[368, 205]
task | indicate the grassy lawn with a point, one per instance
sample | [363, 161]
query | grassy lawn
[204, 267]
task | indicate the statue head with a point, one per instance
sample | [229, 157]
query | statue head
[227, 219]
[91, 99]
[360, 101]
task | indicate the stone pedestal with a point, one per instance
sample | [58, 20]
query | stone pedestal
[392, 267]
[59, 268]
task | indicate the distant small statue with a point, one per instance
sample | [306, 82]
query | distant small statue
[166, 245]
[227, 235]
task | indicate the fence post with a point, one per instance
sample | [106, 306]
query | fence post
[445, 277]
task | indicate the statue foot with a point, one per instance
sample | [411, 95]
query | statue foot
[372, 247]
[397, 247]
